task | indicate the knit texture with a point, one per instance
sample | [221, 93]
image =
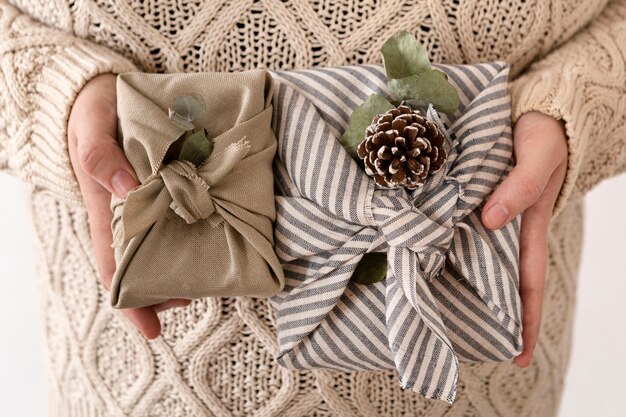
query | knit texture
[215, 356]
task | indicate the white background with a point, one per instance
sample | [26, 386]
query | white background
[596, 382]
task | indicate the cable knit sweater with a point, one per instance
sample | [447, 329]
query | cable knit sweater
[215, 357]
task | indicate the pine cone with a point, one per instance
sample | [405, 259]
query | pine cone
[401, 147]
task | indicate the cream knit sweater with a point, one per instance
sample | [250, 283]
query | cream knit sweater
[215, 357]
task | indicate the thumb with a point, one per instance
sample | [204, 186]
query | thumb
[535, 150]
[520, 190]
[539, 142]
[103, 160]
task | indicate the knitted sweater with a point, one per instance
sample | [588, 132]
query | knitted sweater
[215, 356]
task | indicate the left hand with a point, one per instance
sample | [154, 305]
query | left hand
[532, 187]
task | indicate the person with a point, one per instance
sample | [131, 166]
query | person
[214, 356]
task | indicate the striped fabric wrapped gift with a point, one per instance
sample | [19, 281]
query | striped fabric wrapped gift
[451, 289]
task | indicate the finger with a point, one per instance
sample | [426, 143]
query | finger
[97, 202]
[533, 264]
[100, 218]
[173, 303]
[535, 155]
[533, 261]
[103, 160]
[145, 320]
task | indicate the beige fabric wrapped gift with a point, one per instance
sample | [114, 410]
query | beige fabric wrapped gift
[190, 232]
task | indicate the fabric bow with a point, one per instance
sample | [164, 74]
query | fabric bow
[179, 186]
[451, 287]
[428, 240]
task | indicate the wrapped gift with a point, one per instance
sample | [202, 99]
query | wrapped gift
[195, 230]
[450, 292]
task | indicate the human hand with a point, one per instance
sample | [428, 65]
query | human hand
[101, 169]
[532, 187]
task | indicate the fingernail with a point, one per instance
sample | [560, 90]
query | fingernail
[122, 182]
[497, 215]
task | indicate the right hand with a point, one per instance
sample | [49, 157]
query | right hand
[532, 188]
[101, 169]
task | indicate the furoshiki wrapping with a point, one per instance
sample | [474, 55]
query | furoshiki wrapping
[451, 289]
[187, 231]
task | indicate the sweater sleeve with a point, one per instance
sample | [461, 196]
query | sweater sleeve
[41, 72]
[583, 82]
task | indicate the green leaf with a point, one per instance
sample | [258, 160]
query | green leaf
[359, 121]
[196, 148]
[371, 268]
[189, 107]
[403, 56]
[428, 87]
[180, 121]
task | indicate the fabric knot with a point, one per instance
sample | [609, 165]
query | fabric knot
[191, 199]
[404, 226]
[178, 186]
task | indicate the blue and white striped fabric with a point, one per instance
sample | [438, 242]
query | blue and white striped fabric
[451, 290]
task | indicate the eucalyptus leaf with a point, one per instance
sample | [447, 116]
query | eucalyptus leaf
[371, 268]
[359, 121]
[180, 121]
[430, 87]
[196, 148]
[189, 107]
[403, 56]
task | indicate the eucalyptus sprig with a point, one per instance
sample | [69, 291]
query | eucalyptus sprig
[412, 81]
[194, 146]
[411, 77]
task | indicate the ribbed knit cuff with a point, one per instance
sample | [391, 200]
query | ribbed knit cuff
[547, 92]
[39, 153]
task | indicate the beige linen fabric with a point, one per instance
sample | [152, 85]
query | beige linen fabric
[189, 232]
